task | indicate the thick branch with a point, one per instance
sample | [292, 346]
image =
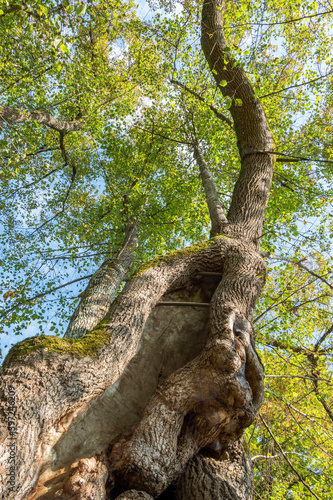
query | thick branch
[102, 288]
[252, 189]
[13, 116]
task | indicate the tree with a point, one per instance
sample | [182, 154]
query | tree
[144, 397]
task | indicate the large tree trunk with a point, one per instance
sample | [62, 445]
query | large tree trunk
[68, 408]
[154, 398]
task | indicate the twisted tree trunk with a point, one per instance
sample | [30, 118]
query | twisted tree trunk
[155, 399]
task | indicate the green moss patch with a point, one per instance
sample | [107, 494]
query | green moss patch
[86, 346]
[177, 254]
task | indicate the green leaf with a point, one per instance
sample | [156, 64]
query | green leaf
[80, 10]
[228, 102]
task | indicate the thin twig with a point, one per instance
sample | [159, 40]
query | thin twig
[219, 115]
[40, 295]
[295, 86]
[287, 459]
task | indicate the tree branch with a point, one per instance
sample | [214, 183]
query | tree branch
[219, 115]
[103, 287]
[215, 207]
[23, 7]
[280, 344]
[287, 459]
[313, 360]
[296, 85]
[25, 186]
[323, 338]
[13, 116]
[40, 295]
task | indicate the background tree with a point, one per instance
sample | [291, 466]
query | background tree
[110, 124]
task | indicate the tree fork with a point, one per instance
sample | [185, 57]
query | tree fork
[207, 401]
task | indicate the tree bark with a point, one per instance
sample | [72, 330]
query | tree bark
[219, 476]
[255, 142]
[212, 399]
[215, 207]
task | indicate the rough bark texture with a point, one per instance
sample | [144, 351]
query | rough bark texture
[251, 193]
[226, 475]
[134, 495]
[87, 482]
[102, 288]
[210, 400]
[51, 387]
[215, 207]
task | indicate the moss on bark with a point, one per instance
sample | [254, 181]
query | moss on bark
[177, 254]
[86, 346]
[89, 344]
